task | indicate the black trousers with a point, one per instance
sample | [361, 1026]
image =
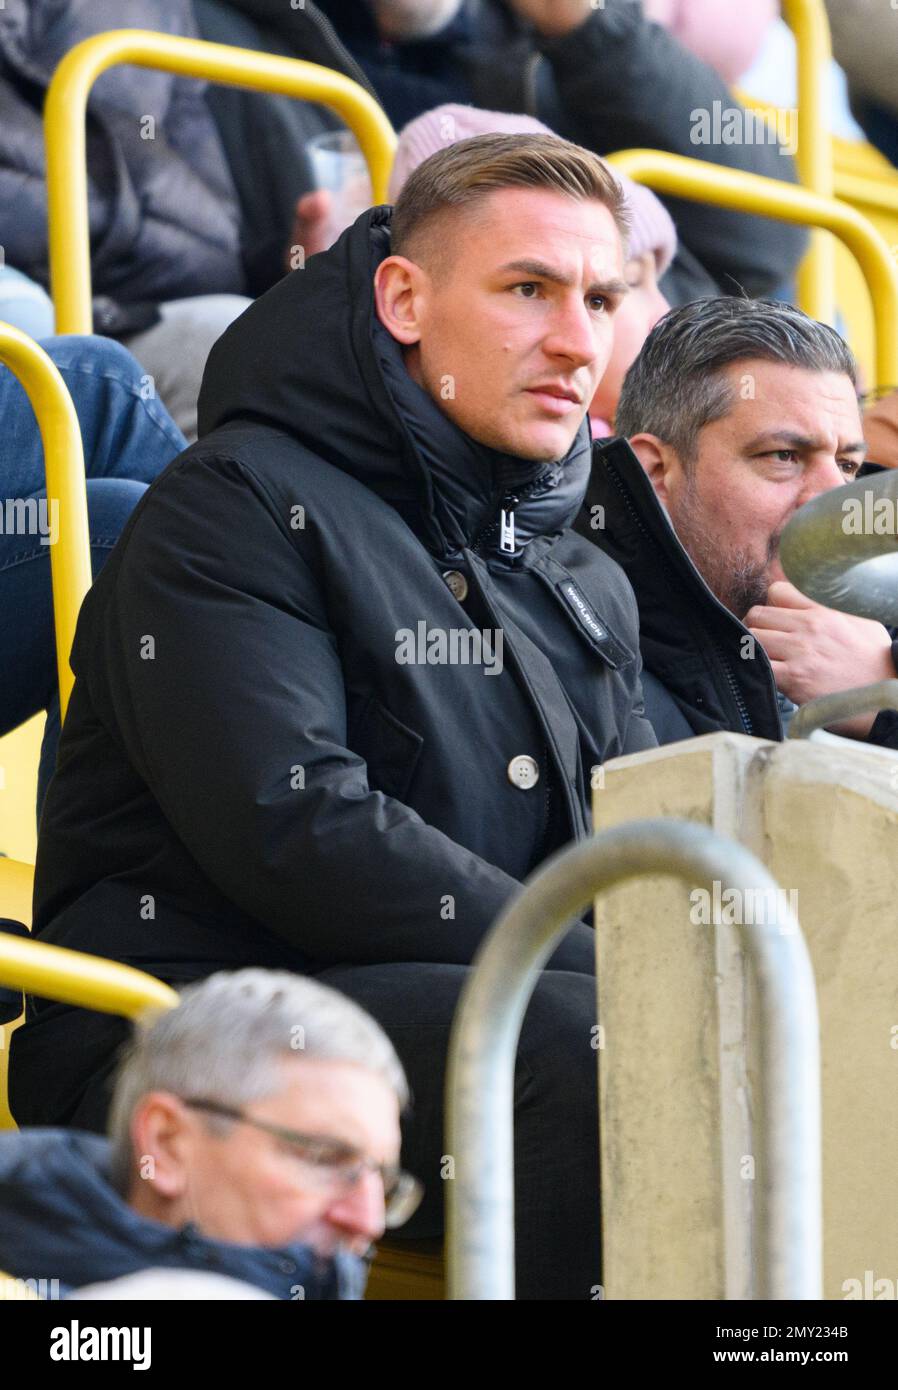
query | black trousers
[61, 1067]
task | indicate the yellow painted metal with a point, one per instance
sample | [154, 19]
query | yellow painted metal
[16, 889]
[808, 21]
[878, 195]
[87, 982]
[64, 132]
[66, 491]
[695, 179]
[17, 1289]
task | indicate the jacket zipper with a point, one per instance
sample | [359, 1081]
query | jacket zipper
[506, 505]
[734, 687]
[738, 697]
[494, 528]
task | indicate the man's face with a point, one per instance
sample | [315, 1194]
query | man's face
[790, 435]
[247, 1186]
[640, 310]
[512, 338]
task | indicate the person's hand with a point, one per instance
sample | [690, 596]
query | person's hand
[413, 19]
[309, 233]
[553, 18]
[816, 650]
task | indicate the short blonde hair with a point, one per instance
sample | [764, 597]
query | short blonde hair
[464, 174]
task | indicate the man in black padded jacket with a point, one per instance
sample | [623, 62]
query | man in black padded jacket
[341, 685]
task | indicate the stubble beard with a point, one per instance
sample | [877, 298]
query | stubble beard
[736, 578]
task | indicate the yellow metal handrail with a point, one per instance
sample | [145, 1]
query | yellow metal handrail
[72, 977]
[66, 492]
[701, 182]
[808, 21]
[64, 132]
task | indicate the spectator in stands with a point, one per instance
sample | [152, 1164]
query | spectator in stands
[651, 248]
[165, 228]
[171, 1285]
[728, 35]
[340, 689]
[253, 1133]
[865, 44]
[737, 412]
[128, 438]
[603, 75]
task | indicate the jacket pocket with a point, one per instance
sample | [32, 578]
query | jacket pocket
[390, 748]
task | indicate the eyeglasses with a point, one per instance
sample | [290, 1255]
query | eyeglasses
[330, 1163]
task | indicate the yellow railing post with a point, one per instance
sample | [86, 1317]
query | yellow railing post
[66, 493]
[64, 132]
[84, 981]
[708, 183]
[808, 21]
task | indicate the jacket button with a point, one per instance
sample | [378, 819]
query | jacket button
[523, 772]
[457, 584]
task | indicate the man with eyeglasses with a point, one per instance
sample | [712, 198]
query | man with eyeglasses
[253, 1132]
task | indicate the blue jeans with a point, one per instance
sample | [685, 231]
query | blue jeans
[127, 443]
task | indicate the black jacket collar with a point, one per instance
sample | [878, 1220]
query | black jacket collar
[689, 641]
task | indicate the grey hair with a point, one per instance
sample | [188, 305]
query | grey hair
[677, 384]
[227, 1039]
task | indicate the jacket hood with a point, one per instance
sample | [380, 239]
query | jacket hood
[61, 1218]
[311, 358]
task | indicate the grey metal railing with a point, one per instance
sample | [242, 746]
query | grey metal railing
[842, 704]
[841, 549]
[480, 1208]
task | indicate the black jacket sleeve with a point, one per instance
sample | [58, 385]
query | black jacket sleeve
[628, 83]
[243, 686]
[884, 732]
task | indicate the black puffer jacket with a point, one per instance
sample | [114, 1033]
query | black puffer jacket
[249, 770]
[703, 672]
[163, 216]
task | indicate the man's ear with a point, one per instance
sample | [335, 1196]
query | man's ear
[659, 460]
[397, 289]
[160, 1143]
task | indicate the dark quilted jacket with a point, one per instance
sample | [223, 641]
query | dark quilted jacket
[163, 216]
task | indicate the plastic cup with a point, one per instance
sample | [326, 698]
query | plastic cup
[338, 166]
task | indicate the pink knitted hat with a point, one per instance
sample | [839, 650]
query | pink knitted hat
[653, 228]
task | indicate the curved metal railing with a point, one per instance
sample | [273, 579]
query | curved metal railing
[66, 491]
[841, 549]
[702, 182]
[480, 1214]
[814, 160]
[64, 132]
[73, 977]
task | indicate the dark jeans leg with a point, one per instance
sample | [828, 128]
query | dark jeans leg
[61, 1063]
[556, 1112]
[128, 441]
